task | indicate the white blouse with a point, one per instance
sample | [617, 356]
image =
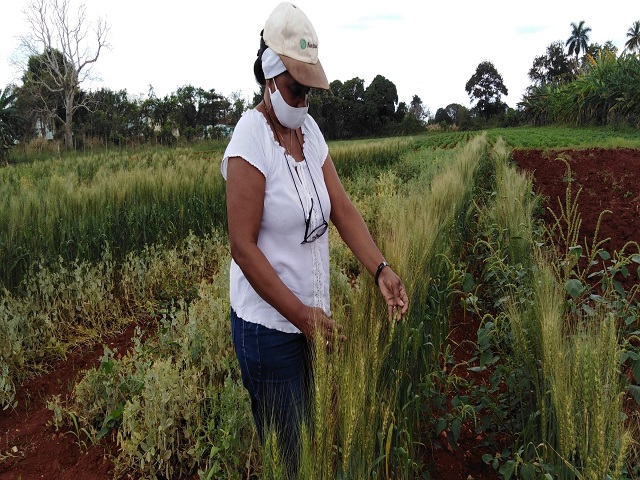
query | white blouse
[304, 268]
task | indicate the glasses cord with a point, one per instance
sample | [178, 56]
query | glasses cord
[291, 173]
[311, 177]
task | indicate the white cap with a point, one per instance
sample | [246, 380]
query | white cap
[289, 33]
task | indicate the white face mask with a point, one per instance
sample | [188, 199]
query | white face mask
[288, 116]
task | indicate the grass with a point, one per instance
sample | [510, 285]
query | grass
[77, 207]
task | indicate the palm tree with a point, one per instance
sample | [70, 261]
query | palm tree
[10, 121]
[633, 44]
[579, 38]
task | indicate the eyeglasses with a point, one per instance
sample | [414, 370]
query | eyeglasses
[316, 233]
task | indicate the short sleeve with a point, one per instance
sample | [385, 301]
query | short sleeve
[315, 140]
[247, 142]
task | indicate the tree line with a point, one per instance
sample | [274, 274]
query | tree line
[600, 87]
[574, 82]
[596, 87]
[116, 118]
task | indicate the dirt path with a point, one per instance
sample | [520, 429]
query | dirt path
[32, 447]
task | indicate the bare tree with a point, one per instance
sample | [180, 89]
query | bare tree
[65, 53]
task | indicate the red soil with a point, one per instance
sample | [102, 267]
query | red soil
[33, 448]
[610, 179]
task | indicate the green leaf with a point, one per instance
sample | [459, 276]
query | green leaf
[588, 310]
[487, 358]
[617, 286]
[507, 469]
[442, 424]
[636, 371]
[477, 369]
[634, 390]
[456, 426]
[487, 458]
[633, 355]
[107, 366]
[635, 258]
[528, 471]
[604, 255]
[576, 251]
[468, 283]
[574, 287]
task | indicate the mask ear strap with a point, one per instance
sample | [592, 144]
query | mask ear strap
[269, 88]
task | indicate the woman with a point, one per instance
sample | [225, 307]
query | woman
[282, 189]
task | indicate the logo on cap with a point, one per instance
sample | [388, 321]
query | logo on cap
[303, 44]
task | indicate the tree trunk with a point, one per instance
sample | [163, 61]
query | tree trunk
[68, 120]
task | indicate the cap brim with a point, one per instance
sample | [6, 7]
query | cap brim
[308, 74]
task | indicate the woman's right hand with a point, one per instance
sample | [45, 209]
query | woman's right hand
[317, 322]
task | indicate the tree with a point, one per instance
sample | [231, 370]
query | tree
[417, 109]
[44, 105]
[633, 44]
[380, 99]
[10, 121]
[553, 67]
[486, 86]
[442, 117]
[325, 108]
[459, 115]
[579, 39]
[114, 117]
[401, 112]
[595, 49]
[350, 109]
[196, 109]
[238, 106]
[162, 114]
[60, 44]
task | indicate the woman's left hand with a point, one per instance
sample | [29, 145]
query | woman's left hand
[394, 293]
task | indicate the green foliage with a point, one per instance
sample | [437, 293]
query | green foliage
[606, 92]
[175, 401]
[40, 324]
[69, 304]
[113, 118]
[11, 123]
[74, 207]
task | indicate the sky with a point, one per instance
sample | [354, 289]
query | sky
[425, 48]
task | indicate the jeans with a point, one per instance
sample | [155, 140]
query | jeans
[276, 371]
